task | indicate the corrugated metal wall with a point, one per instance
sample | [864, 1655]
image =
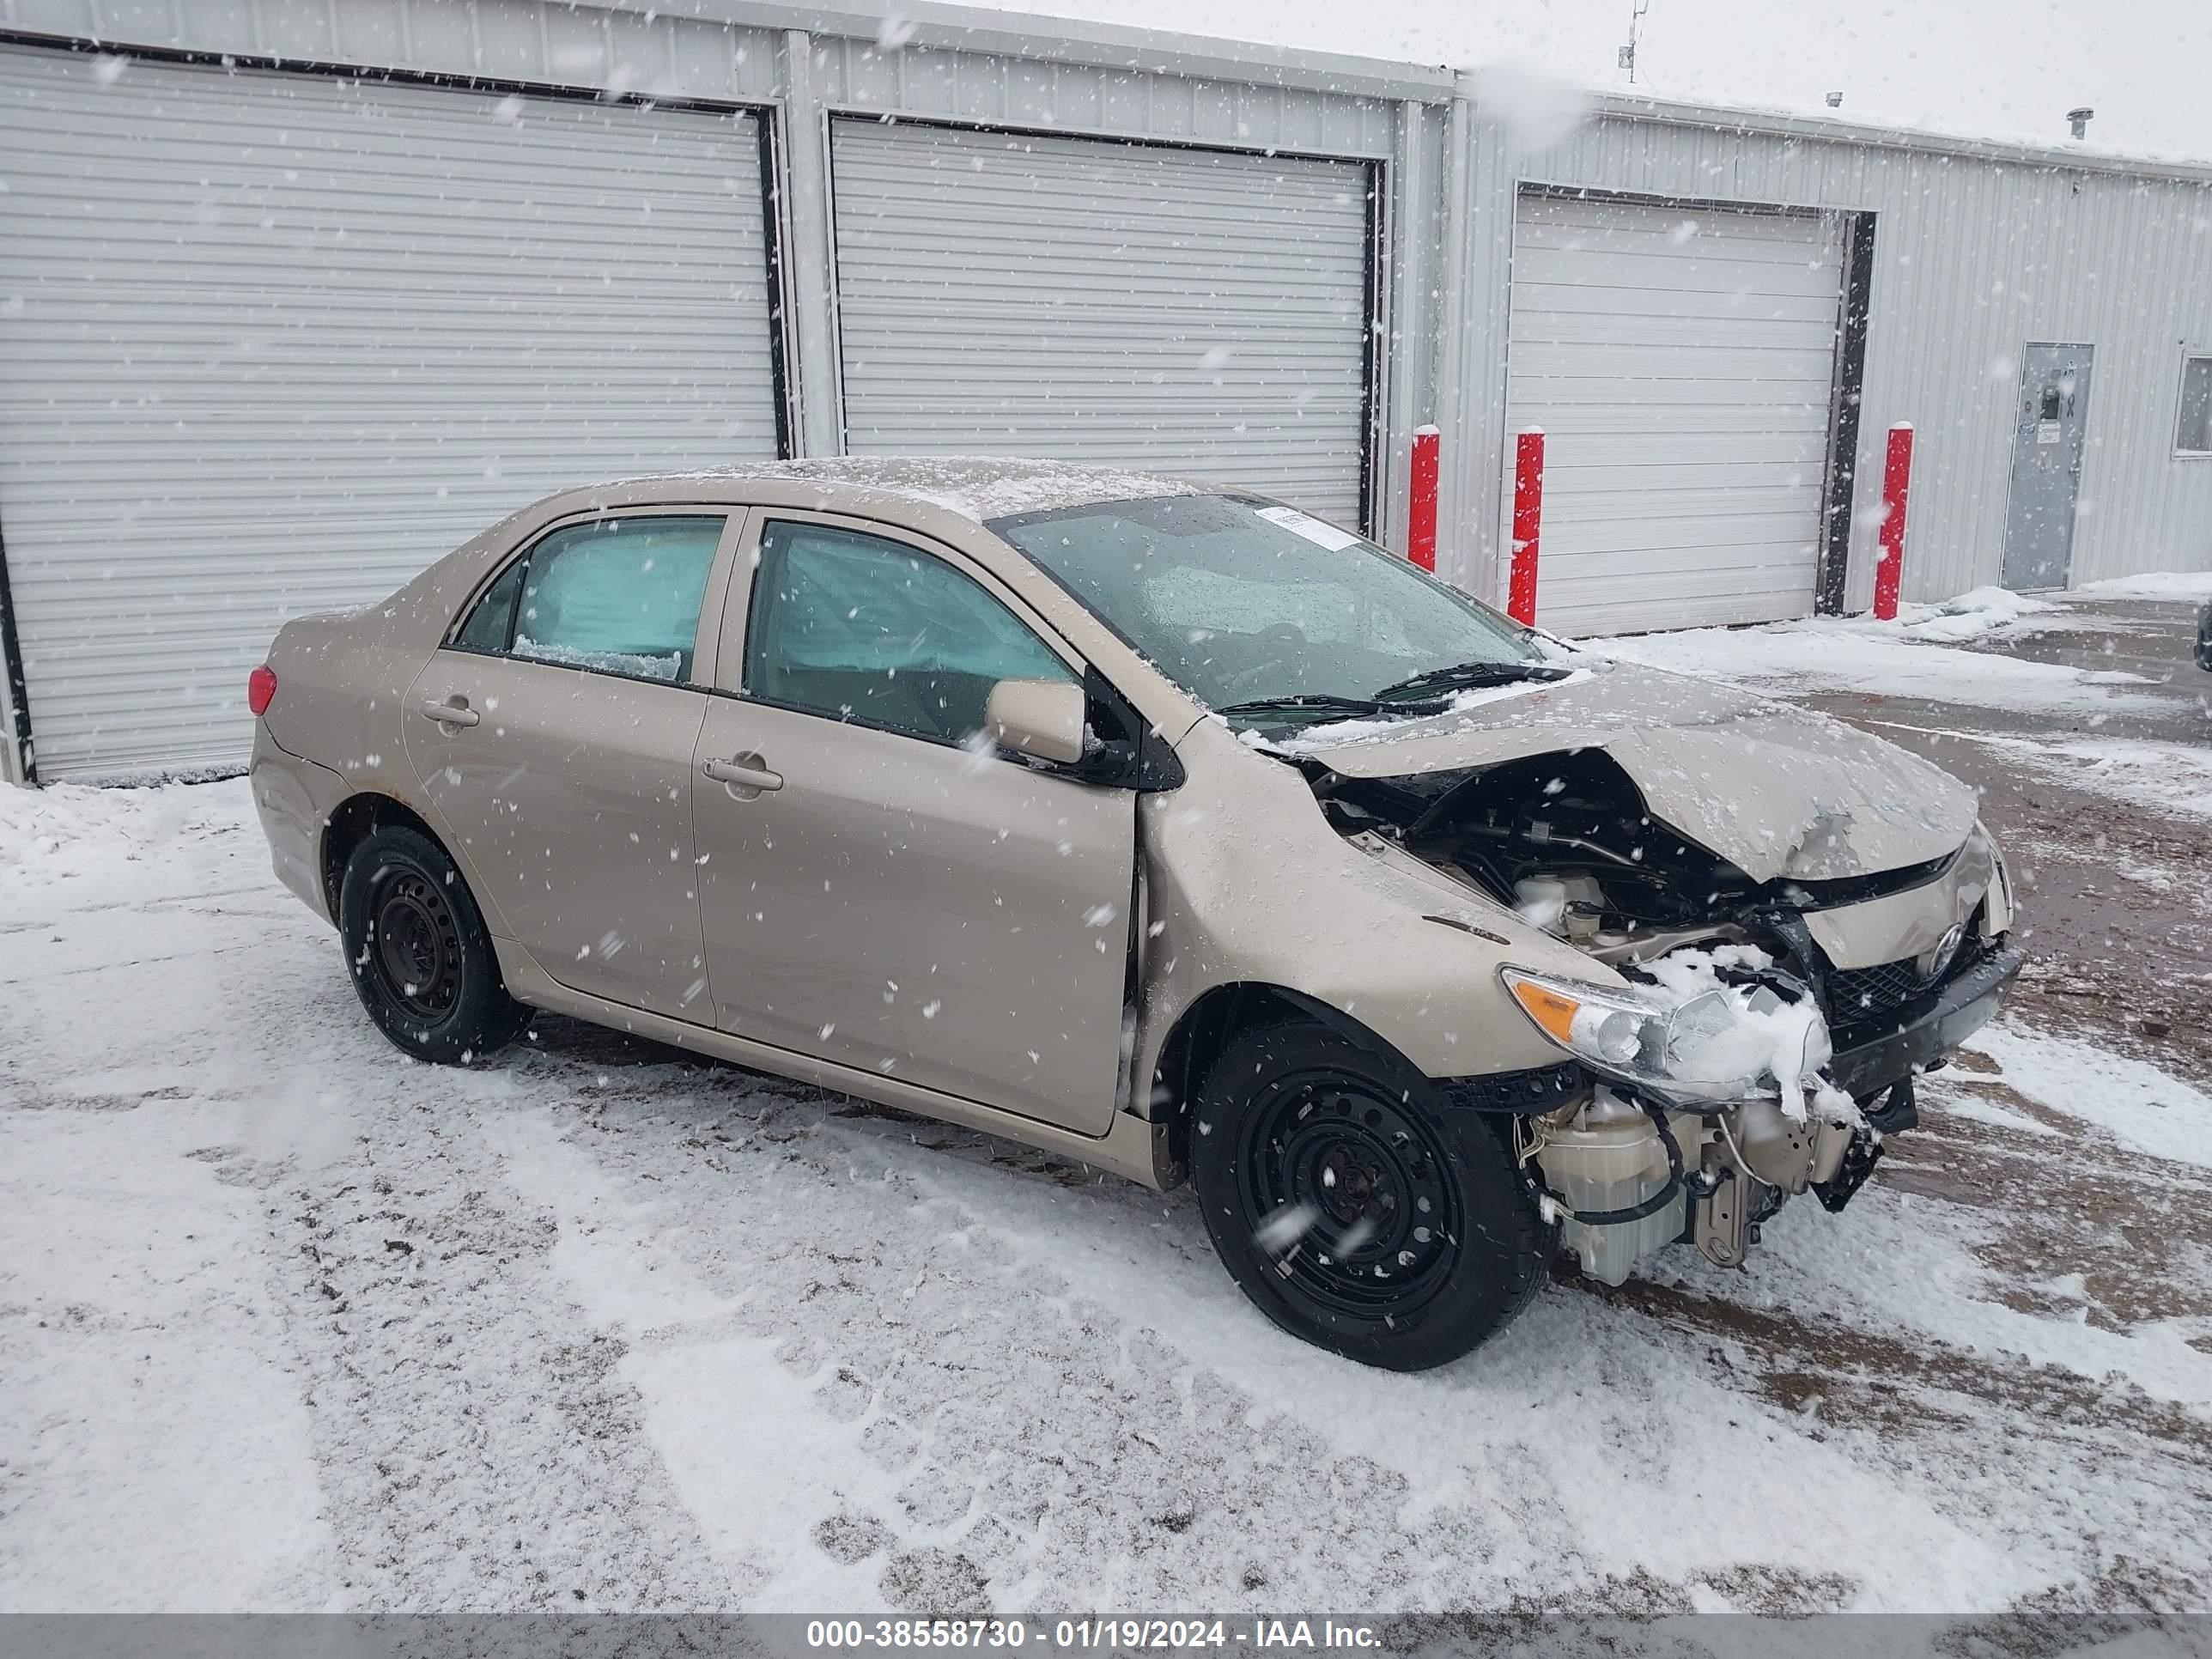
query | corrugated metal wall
[1972, 259]
[1078, 98]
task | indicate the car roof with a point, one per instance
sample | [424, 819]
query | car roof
[980, 488]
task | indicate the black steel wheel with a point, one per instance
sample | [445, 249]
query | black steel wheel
[1352, 1209]
[422, 957]
[417, 954]
[1356, 1189]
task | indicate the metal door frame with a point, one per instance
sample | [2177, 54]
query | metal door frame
[15, 692]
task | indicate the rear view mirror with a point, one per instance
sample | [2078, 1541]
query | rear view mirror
[1043, 718]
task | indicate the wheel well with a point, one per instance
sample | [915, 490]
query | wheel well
[1208, 1026]
[357, 819]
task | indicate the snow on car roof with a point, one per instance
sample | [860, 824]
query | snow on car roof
[978, 487]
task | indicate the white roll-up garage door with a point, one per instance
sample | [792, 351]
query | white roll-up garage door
[1175, 310]
[273, 342]
[1681, 363]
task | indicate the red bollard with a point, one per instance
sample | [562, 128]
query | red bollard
[1421, 499]
[1896, 480]
[1527, 524]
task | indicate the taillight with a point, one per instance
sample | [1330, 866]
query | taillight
[260, 689]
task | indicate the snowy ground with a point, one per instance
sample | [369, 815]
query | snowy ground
[287, 1322]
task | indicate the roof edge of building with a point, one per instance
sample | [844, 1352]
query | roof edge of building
[932, 25]
[1637, 107]
[936, 25]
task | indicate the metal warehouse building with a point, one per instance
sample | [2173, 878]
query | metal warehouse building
[295, 295]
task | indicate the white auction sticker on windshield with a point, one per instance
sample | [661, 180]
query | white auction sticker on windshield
[1300, 524]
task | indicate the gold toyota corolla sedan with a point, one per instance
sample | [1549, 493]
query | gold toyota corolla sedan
[1154, 823]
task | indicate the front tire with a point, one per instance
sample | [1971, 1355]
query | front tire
[1356, 1210]
[421, 955]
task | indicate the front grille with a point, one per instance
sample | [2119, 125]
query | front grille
[1858, 994]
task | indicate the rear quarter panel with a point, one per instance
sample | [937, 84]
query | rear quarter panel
[343, 678]
[295, 799]
[340, 679]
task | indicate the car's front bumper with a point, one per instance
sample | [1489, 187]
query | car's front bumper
[1877, 1053]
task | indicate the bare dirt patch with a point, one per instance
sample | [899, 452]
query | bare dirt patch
[2114, 909]
[2124, 1234]
[1907, 1384]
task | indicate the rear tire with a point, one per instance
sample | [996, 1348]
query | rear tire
[1353, 1208]
[420, 954]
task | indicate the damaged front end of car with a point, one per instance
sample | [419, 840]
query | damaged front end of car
[1759, 1030]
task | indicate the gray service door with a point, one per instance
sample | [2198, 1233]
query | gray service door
[2048, 423]
[1133, 305]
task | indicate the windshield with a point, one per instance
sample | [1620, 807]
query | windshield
[1242, 601]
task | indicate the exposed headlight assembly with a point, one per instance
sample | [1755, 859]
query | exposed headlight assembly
[1730, 1042]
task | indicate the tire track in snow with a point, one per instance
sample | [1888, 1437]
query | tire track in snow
[478, 1445]
[1000, 1439]
[1045, 1445]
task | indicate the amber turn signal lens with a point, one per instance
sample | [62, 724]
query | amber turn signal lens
[1549, 1008]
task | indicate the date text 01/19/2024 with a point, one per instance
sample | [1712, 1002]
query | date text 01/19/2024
[1081, 1635]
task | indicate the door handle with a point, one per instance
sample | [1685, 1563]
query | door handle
[451, 714]
[742, 772]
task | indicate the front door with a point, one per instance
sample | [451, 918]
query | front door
[880, 887]
[2048, 425]
[554, 736]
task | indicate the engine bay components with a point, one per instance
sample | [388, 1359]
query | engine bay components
[1622, 1177]
[1567, 843]
[1708, 1042]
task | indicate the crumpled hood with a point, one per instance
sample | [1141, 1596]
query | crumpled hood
[1776, 790]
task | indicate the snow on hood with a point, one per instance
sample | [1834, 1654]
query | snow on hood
[1777, 791]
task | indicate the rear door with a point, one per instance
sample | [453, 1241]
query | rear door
[553, 734]
[880, 887]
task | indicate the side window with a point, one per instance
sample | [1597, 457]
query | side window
[621, 596]
[856, 627]
[491, 624]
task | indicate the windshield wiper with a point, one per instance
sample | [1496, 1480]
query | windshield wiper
[1466, 675]
[1326, 702]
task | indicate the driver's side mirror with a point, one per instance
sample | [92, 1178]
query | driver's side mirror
[1043, 718]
